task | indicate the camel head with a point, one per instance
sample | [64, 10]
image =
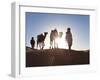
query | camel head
[45, 33]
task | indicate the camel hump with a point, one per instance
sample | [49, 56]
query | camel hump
[40, 35]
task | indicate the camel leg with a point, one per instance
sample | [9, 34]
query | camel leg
[43, 45]
[37, 44]
[51, 44]
[54, 44]
[40, 45]
[57, 45]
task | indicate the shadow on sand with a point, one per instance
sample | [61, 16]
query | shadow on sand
[55, 57]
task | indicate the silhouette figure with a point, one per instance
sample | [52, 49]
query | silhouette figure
[53, 36]
[32, 42]
[69, 38]
[41, 39]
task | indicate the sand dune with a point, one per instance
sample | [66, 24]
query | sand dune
[55, 57]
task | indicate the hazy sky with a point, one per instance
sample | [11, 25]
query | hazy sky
[37, 23]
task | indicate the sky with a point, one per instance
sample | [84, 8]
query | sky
[37, 23]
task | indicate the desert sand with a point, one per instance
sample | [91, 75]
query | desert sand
[55, 57]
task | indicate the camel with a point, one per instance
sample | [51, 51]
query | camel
[41, 39]
[53, 36]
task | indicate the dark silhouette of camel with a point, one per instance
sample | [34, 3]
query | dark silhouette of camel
[41, 39]
[53, 36]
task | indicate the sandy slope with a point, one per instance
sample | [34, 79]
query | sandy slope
[53, 57]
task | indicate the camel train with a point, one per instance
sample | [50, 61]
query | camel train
[53, 36]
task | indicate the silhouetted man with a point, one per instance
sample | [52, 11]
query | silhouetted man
[69, 38]
[32, 42]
